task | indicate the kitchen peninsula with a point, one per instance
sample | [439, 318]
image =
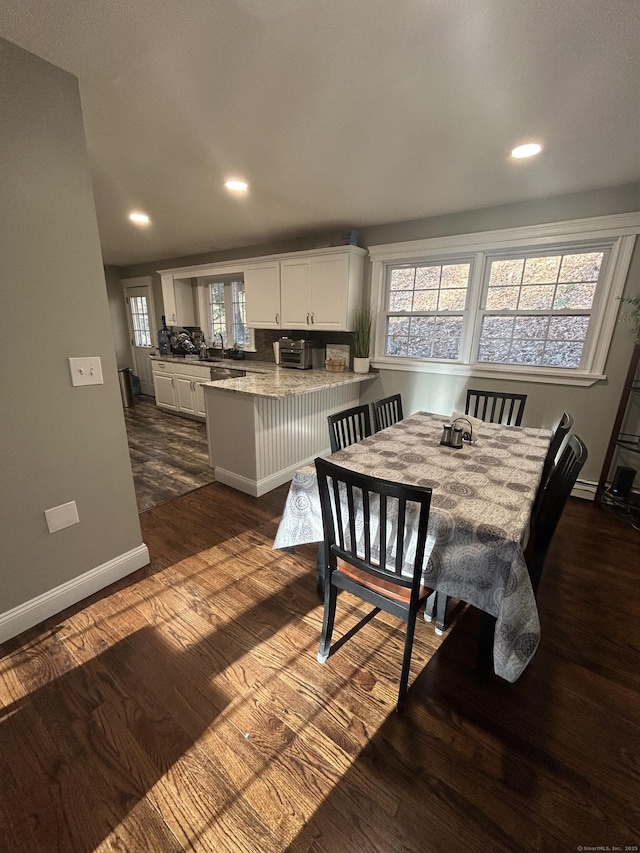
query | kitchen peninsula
[264, 426]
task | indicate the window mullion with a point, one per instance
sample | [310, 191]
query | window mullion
[473, 316]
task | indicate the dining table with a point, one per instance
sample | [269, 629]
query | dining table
[482, 497]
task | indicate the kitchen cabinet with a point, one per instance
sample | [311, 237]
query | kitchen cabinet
[164, 388]
[177, 298]
[262, 295]
[178, 387]
[321, 291]
[306, 290]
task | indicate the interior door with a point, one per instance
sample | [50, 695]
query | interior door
[142, 332]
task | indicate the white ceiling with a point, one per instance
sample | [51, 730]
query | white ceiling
[339, 113]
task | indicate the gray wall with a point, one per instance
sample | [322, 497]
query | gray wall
[59, 443]
[118, 313]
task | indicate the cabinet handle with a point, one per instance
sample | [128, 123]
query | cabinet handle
[173, 382]
[278, 319]
[313, 317]
[307, 318]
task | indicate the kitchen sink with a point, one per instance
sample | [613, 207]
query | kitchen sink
[226, 373]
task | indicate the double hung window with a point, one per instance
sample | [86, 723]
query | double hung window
[526, 301]
[223, 306]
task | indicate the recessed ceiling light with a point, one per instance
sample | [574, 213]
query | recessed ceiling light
[237, 186]
[528, 150]
[139, 218]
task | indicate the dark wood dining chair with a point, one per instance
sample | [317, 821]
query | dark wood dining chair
[348, 426]
[561, 432]
[357, 511]
[496, 407]
[555, 494]
[386, 412]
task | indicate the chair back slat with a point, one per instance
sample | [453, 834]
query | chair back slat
[382, 532]
[496, 407]
[386, 412]
[402, 514]
[348, 427]
[366, 509]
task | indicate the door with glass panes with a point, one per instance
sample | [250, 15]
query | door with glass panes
[141, 331]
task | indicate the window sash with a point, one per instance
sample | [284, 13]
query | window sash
[437, 313]
[140, 321]
[222, 305]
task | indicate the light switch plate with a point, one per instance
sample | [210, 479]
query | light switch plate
[86, 371]
[59, 517]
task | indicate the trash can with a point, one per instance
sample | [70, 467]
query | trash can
[126, 386]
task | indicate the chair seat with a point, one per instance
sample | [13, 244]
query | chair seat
[388, 588]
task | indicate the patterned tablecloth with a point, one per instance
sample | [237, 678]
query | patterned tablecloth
[479, 521]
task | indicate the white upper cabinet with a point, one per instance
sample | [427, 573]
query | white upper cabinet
[262, 295]
[317, 290]
[295, 293]
[177, 297]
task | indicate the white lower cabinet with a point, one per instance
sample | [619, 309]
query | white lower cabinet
[164, 387]
[178, 388]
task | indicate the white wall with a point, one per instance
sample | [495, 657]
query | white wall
[59, 443]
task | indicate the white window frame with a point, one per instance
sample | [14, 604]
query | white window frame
[203, 306]
[617, 233]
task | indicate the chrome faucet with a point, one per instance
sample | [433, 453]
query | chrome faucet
[217, 335]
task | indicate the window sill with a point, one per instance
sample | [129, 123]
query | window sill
[520, 373]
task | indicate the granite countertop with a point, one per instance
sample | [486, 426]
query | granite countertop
[239, 364]
[286, 381]
[266, 379]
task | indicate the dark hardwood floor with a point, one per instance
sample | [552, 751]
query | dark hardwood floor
[183, 708]
[169, 455]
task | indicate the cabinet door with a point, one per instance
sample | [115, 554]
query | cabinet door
[294, 293]
[169, 301]
[177, 299]
[262, 295]
[186, 394]
[200, 408]
[165, 391]
[329, 288]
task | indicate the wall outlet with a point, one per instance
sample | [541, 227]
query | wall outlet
[59, 517]
[86, 371]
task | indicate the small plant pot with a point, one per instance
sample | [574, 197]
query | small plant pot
[360, 365]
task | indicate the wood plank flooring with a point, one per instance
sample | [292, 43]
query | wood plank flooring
[184, 709]
[169, 455]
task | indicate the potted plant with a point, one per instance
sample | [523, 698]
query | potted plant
[361, 339]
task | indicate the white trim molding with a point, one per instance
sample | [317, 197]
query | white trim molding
[594, 228]
[32, 612]
[618, 232]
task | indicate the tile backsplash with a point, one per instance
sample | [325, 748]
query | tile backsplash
[265, 338]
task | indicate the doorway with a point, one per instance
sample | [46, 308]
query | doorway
[142, 331]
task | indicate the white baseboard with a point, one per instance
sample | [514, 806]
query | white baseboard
[584, 489]
[257, 488]
[32, 612]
